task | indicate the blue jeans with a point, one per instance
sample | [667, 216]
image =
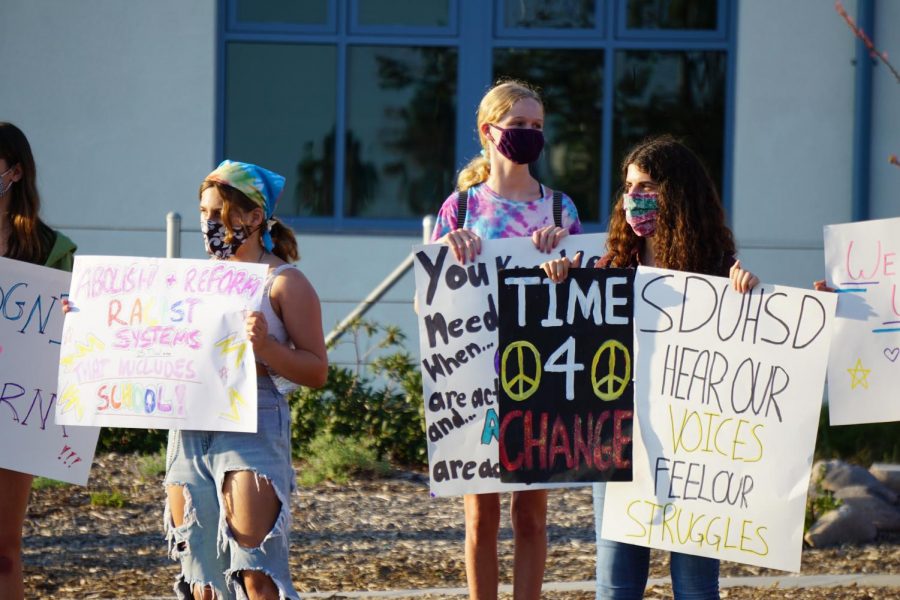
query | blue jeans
[199, 461]
[622, 569]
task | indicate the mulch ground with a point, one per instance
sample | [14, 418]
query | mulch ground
[367, 535]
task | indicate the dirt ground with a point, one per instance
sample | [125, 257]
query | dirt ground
[367, 535]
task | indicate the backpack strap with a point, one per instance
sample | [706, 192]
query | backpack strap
[557, 208]
[462, 204]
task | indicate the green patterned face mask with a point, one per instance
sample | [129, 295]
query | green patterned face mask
[640, 212]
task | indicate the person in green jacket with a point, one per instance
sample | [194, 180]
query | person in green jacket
[23, 236]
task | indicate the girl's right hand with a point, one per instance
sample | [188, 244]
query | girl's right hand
[465, 244]
[821, 286]
[558, 268]
[67, 306]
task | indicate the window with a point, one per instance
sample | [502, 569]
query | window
[367, 107]
[401, 118]
[284, 118]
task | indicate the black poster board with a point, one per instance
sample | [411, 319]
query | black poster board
[565, 366]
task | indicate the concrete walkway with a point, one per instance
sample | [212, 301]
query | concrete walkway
[784, 582]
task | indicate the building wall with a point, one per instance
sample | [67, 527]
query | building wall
[793, 135]
[884, 201]
[118, 101]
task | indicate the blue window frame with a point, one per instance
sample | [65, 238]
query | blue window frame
[346, 175]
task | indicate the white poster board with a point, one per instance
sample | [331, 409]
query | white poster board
[160, 343]
[728, 390]
[458, 320]
[862, 264]
[31, 323]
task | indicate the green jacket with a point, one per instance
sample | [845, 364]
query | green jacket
[62, 254]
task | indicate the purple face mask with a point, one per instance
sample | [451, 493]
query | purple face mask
[520, 145]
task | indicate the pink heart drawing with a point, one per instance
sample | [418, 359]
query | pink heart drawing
[892, 353]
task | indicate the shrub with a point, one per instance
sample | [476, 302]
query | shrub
[43, 483]
[129, 441]
[338, 458]
[381, 403]
[860, 444]
[112, 499]
[818, 504]
[151, 466]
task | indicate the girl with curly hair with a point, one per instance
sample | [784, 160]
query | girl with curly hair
[670, 216]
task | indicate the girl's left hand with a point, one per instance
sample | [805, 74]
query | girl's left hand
[547, 238]
[257, 331]
[742, 281]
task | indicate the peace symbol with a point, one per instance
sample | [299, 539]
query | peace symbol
[520, 386]
[611, 386]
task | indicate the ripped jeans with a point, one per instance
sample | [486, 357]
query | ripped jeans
[199, 461]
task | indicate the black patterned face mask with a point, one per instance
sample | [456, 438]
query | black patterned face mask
[214, 239]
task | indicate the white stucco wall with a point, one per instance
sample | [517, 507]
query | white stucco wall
[885, 193]
[117, 100]
[793, 134]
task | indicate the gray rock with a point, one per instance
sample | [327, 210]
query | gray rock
[881, 514]
[844, 525]
[839, 475]
[887, 474]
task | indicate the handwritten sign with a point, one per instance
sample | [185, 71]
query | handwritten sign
[458, 320]
[566, 397]
[31, 323]
[728, 389]
[160, 343]
[863, 265]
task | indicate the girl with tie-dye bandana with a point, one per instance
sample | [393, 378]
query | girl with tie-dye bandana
[504, 200]
[228, 510]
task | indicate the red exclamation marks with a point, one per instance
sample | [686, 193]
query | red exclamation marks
[68, 456]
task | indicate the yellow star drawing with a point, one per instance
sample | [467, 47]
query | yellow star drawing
[859, 375]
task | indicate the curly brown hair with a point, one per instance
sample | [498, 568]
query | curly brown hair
[691, 234]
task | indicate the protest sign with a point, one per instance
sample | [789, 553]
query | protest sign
[566, 400]
[864, 364]
[458, 319]
[728, 389]
[160, 343]
[30, 333]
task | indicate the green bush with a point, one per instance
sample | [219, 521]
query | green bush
[818, 502]
[43, 483]
[381, 404]
[151, 466]
[338, 459]
[112, 499]
[129, 441]
[860, 444]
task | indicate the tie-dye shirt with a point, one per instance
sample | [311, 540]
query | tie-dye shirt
[492, 216]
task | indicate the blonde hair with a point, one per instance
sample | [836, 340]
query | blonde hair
[498, 101]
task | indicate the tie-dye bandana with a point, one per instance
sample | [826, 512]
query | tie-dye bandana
[262, 186]
[640, 213]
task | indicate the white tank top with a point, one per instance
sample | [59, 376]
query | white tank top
[276, 328]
